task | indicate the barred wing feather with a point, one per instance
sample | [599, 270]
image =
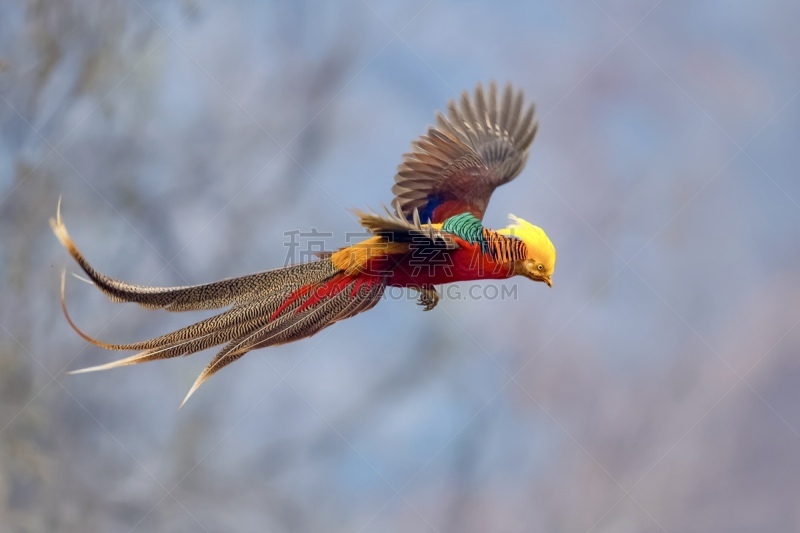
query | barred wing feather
[454, 168]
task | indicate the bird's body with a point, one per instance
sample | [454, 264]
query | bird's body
[446, 181]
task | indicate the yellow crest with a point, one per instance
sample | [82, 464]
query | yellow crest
[536, 241]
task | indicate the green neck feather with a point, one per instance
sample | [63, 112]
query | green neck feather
[466, 227]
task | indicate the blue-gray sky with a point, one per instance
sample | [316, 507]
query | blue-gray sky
[654, 388]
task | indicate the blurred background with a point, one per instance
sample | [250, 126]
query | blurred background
[654, 388]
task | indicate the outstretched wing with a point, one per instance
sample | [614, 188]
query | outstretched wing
[454, 168]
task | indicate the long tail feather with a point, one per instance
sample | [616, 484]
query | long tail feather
[189, 298]
[268, 309]
[238, 322]
[352, 295]
[229, 319]
[186, 347]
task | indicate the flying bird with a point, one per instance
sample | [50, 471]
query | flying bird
[433, 236]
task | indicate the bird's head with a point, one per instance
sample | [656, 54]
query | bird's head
[540, 260]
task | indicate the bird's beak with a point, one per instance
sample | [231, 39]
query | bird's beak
[548, 281]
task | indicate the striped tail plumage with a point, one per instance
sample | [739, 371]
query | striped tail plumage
[266, 309]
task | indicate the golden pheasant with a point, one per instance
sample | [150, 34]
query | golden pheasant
[435, 236]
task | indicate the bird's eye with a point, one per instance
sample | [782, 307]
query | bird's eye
[540, 267]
